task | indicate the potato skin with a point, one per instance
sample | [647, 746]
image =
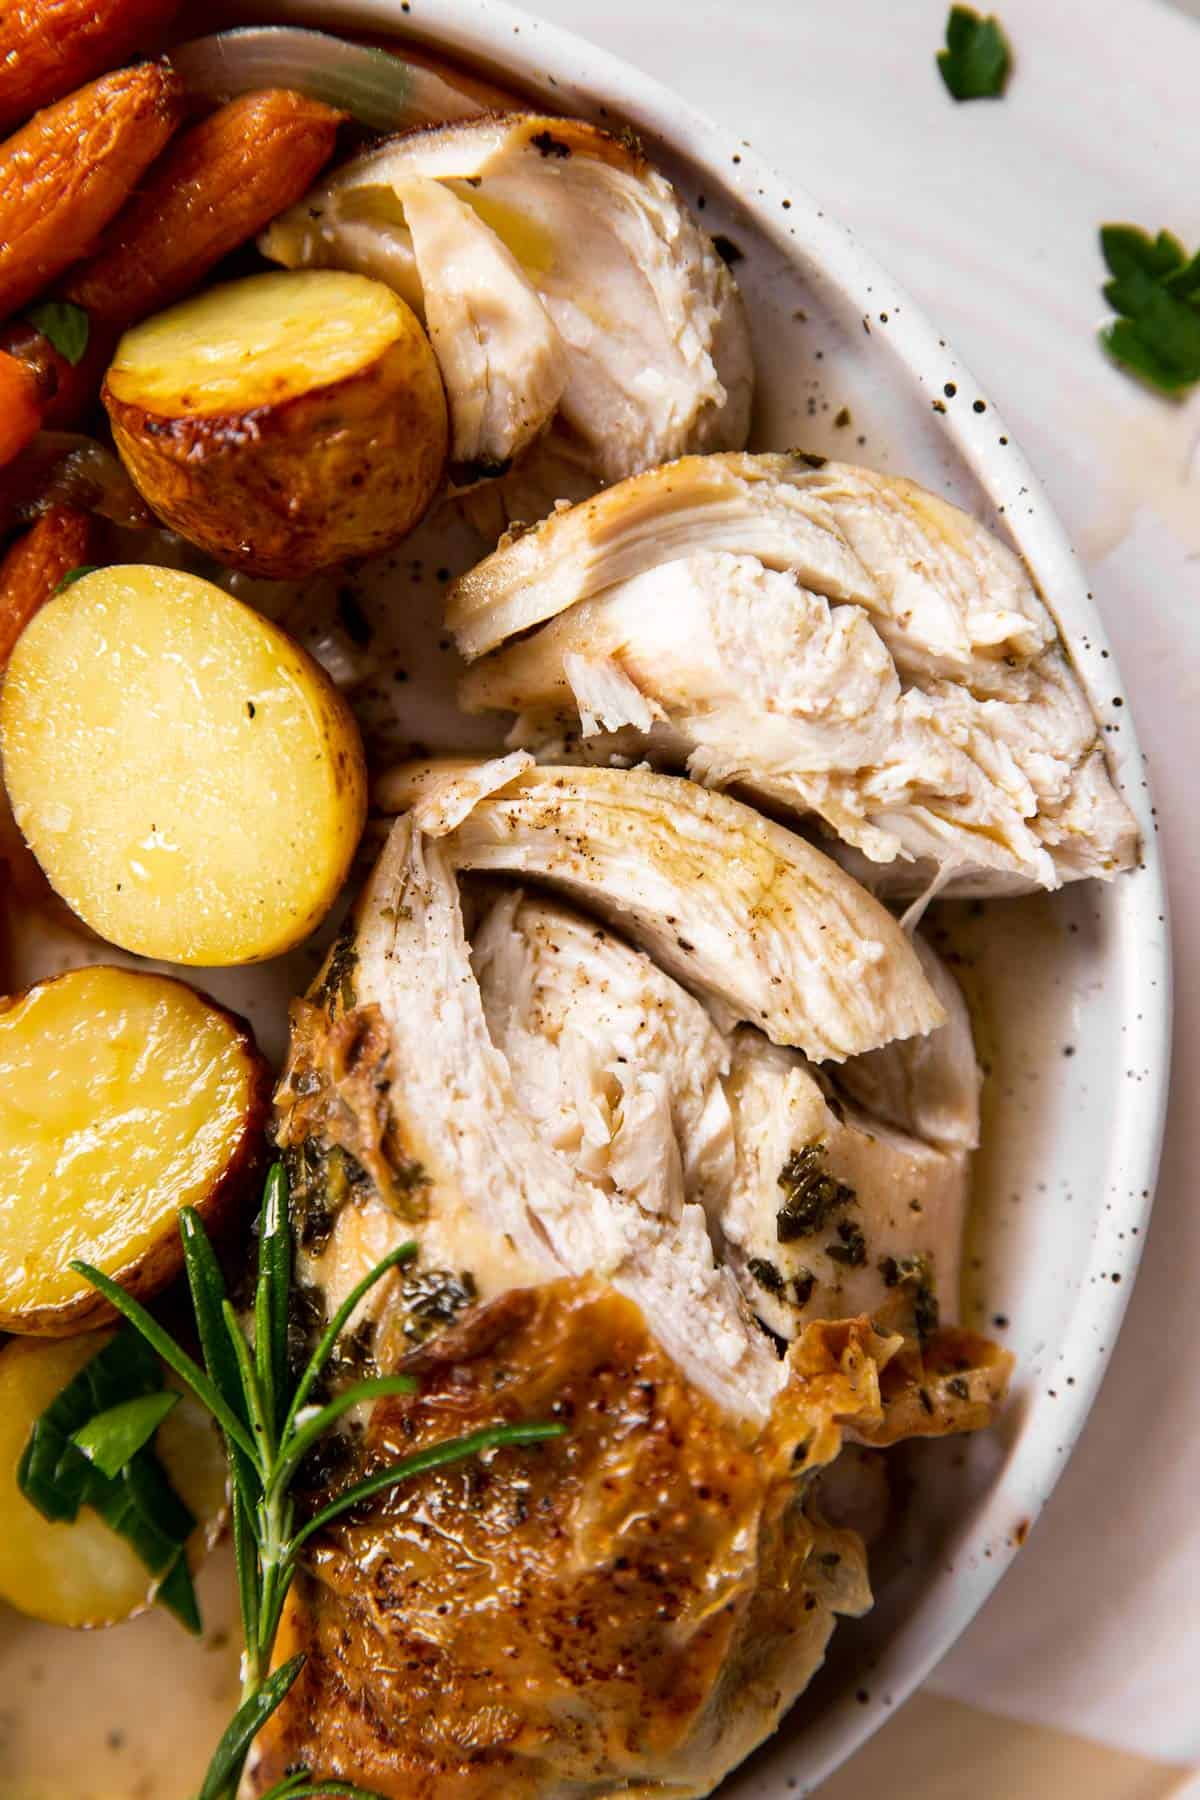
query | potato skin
[284, 490]
[163, 1261]
[66, 174]
[48, 47]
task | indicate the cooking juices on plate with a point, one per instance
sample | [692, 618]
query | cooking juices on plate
[620, 1162]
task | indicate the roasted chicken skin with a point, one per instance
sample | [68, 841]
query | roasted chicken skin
[552, 1118]
[627, 1610]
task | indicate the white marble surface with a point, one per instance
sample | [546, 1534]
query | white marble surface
[988, 213]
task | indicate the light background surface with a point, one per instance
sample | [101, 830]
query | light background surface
[988, 213]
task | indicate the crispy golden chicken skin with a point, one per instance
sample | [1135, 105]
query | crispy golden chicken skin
[636, 1602]
[628, 1609]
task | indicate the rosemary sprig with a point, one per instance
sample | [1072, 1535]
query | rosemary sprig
[268, 1432]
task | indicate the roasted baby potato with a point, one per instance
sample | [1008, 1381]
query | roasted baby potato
[83, 1574]
[124, 1096]
[284, 422]
[66, 174]
[191, 781]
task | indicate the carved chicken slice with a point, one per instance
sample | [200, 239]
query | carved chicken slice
[819, 1210]
[629, 1609]
[926, 1087]
[615, 1064]
[830, 1212]
[502, 360]
[837, 642]
[656, 357]
[738, 908]
[490, 1193]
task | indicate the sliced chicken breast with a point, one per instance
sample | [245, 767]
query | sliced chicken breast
[629, 1609]
[926, 1087]
[656, 358]
[739, 909]
[616, 1065]
[747, 505]
[491, 1196]
[820, 1211]
[835, 642]
[502, 360]
[830, 1212]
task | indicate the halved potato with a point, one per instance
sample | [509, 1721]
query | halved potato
[83, 1574]
[284, 422]
[190, 780]
[123, 1097]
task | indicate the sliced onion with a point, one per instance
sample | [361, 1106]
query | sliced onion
[382, 91]
[64, 468]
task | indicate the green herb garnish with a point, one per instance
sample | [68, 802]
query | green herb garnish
[64, 325]
[113, 1438]
[851, 1248]
[914, 1272]
[802, 1286]
[74, 575]
[270, 1426]
[766, 1274]
[92, 1447]
[1155, 287]
[811, 1194]
[976, 61]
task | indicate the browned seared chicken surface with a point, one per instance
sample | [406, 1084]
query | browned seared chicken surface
[553, 1117]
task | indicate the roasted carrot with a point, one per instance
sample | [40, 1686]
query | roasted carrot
[61, 540]
[50, 47]
[68, 172]
[216, 186]
[21, 406]
[65, 390]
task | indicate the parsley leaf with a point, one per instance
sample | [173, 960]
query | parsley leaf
[113, 1438]
[1155, 288]
[60, 1470]
[74, 575]
[65, 325]
[976, 61]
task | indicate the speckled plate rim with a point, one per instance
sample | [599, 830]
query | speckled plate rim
[573, 73]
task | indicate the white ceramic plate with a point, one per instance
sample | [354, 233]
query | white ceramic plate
[1071, 1139]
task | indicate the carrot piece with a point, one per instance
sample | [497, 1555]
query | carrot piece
[50, 47]
[20, 406]
[216, 186]
[60, 541]
[66, 174]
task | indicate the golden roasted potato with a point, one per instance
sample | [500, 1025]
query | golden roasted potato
[124, 1096]
[83, 1574]
[189, 779]
[284, 422]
